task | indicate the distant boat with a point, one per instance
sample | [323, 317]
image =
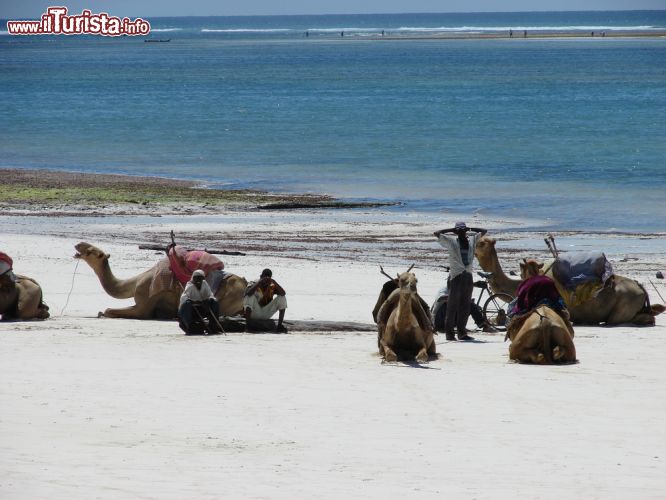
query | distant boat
[158, 40]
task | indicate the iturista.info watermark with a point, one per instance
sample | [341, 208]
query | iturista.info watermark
[56, 21]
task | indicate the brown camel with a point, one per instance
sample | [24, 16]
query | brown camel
[624, 302]
[160, 305]
[543, 339]
[21, 299]
[404, 327]
[540, 336]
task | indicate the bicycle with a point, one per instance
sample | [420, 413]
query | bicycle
[495, 308]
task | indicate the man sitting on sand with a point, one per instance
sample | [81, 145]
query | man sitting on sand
[439, 307]
[197, 293]
[263, 298]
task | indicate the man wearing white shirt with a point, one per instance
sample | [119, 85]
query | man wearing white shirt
[196, 293]
[460, 282]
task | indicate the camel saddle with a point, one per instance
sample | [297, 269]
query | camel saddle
[582, 267]
[580, 276]
[180, 264]
[184, 263]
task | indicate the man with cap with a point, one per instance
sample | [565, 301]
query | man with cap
[8, 292]
[197, 293]
[460, 282]
[6, 264]
[264, 298]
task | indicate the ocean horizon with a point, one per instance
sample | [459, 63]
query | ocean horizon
[565, 130]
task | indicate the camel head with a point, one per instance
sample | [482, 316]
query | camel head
[530, 268]
[92, 255]
[407, 282]
[485, 251]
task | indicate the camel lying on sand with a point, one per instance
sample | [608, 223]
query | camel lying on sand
[542, 339]
[161, 305]
[541, 335]
[22, 299]
[625, 302]
[404, 328]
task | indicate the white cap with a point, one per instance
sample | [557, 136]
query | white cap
[198, 272]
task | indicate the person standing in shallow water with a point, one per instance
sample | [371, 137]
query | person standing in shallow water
[460, 282]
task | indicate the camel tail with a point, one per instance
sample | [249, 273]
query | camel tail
[656, 309]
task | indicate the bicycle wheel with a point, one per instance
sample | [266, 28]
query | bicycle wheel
[496, 307]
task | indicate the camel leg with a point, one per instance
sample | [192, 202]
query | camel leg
[643, 319]
[527, 356]
[389, 355]
[564, 355]
[422, 355]
[132, 312]
[628, 310]
[387, 340]
[29, 301]
[564, 350]
[523, 349]
[432, 348]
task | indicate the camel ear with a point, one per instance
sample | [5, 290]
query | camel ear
[522, 265]
[107, 255]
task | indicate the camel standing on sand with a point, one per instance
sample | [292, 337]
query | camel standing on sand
[402, 324]
[21, 300]
[625, 302]
[161, 305]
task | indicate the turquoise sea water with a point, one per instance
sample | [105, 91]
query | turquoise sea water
[572, 131]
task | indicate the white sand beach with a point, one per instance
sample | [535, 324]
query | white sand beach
[109, 408]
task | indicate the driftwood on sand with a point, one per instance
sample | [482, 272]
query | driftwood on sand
[209, 250]
[325, 204]
[238, 324]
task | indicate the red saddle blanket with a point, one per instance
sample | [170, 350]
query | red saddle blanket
[533, 291]
[184, 263]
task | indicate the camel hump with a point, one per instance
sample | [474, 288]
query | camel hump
[384, 294]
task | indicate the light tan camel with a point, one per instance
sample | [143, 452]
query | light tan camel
[625, 302]
[22, 299]
[161, 305]
[404, 328]
[542, 339]
[541, 336]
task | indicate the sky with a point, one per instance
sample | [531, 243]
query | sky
[18, 9]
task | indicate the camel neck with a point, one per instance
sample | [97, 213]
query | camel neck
[499, 282]
[112, 285]
[404, 319]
